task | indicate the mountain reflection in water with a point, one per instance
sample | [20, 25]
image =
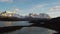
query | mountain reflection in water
[24, 30]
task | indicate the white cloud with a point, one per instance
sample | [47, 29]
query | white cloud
[55, 8]
[54, 14]
[36, 8]
[33, 9]
[6, 0]
[54, 11]
[16, 9]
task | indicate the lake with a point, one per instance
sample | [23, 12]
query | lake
[25, 30]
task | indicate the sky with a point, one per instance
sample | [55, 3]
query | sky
[24, 7]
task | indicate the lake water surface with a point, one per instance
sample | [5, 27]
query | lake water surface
[24, 30]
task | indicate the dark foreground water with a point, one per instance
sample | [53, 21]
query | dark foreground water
[25, 30]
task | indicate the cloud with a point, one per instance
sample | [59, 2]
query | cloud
[17, 9]
[36, 8]
[55, 8]
[54, 14]
[54, 11]
[33, 9]
[6, 0]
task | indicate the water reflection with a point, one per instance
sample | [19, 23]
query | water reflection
[25, 30]
[5, 23]
[14, 23]
[8, 23]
